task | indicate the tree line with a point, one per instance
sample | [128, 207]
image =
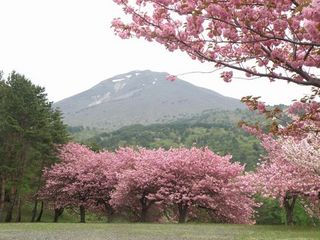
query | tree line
[30, 132]
[221, 138]
[149, 185]
[181, 184]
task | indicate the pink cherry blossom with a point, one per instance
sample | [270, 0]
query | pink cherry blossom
[282, 37]
[137, 180]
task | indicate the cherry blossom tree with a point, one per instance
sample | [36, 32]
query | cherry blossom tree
[304, 152]
[287, 182]
[68, 183]
[97, 180]
[84, 179]
[279, 178]
[185, 179]
[278, 40]
[123, 159]
[297, 120]
[136, 185]
[198, 178]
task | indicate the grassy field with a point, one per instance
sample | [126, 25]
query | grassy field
[76, 231]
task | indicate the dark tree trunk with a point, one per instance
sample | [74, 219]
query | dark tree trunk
[289, 206]
[18, 217]
[183, 212]
[18, 179]
[82, 214]
[57, 213]
[144, 212]
[9, 212]
[2, 195]
[34, 211]
[35, 207]
[289, 216]
[11, 205]
[40, 213]
[145, 205]
[109, 212]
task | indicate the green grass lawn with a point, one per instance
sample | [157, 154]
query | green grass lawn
[77, 231]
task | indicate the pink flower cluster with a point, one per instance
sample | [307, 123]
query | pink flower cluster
[227, 76]
[137, 181]
[282, 37]
[290, 170]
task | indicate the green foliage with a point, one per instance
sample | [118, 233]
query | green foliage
[216, 129]
[300, 217]
[272, 213]
[221, 139]
[81, 134]
[30, 130]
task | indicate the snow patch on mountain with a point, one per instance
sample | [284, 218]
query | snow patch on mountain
[100, 99]
[118, 86]
[118, 80]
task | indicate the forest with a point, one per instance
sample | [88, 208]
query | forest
[222, 139]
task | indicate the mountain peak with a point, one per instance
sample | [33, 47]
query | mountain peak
[142, 97]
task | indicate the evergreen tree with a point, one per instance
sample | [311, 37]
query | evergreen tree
[30, 133]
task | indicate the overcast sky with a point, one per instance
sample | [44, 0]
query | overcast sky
[67, 46]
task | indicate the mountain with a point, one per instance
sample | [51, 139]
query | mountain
[140, 97]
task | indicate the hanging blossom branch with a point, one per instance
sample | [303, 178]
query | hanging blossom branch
[282, 37]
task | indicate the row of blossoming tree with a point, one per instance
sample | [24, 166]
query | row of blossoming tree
[180, 184]
[175, 183]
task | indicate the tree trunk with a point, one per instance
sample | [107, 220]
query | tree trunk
[9, 212]
[57, 213]
[35, 207]
[34, 211]
[2, 195]
[18, 217]
[144, 212]
[40, 213]
[183, 211]
[289, 206]
[11, 205]
[109, 212]
[18, 179]
[82, 214]
[289, 216]
[145, 205]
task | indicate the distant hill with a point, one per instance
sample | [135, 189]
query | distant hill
[221, 137]
[141, 97]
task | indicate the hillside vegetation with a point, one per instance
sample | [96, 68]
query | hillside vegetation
[216, 129]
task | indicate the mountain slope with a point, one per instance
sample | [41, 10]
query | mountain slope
[140, 97]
